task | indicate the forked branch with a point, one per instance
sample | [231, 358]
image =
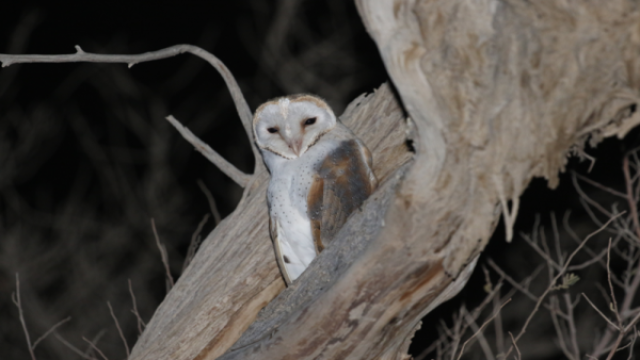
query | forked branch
[241, 104]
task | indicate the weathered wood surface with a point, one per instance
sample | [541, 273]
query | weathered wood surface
[234, 273]
[498, 92]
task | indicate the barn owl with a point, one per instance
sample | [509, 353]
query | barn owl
[320, 173]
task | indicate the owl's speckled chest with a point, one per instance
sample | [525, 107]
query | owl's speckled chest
[292, 179]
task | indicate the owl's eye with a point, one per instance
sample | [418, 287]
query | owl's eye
[272, 130]
[310, 121]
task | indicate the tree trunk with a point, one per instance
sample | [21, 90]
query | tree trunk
[497, 92]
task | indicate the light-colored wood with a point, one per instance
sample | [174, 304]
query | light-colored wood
[234, 274]
[498, 92]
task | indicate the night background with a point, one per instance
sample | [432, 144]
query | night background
[87, 160]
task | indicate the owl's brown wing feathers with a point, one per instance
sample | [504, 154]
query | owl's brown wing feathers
[343, 181]
[275, 235]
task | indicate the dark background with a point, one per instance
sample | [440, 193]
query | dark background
[87, 159]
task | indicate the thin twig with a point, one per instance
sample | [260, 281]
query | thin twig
[18, 302]
[456, 334]
[458, 323]
[135, 312]
[195, 242]
[635, 283]
[589, 201]
[484, 344]
[52, 329]
[73, 348]
[615, 346]
[552, 284]
[600, 312]
[513, 341]
[613, 296]
[242, 107]
[481, 327]
[630, 198]
[555, 311]
[497, 325]
[226, 167]
[99, 335]
[130, 60]
[511, 281]
[545, 254]
[599, 186]
[115, 320]
[212, 202]
[633, 342]
[164, 256]
[95, 348]
[632, 323]
[571, 324]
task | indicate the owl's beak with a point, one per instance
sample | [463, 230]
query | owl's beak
[295, 145]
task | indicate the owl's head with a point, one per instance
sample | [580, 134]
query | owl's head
[289, 126]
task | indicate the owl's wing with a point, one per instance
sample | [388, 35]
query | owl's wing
[342, 183]
[277, 237]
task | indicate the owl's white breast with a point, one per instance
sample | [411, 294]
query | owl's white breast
[287, 194]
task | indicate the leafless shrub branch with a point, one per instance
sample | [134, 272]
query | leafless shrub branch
[241, 104]
[226, 167]
[18, 302]
[94, 347]
[195, 242]
[212, 202]
[135, 312]
[164, 256]
[73, 348]
[554, 281]
[481, 328]
[51, 330]
[115, 320]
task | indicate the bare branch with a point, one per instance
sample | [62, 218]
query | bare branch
[513, 341]
[484, 344]
[482, 327]
[135, 312]
[226, 167]
[89, 351]
[555, 280]
[73, 348]
[195, 242]
[613, 296]
[572, 326]
[212, 202]
[164, 256]
[16, 300]
[52, 329]
[511, 281]
[80, 56]
[95, 348]
[633, 342]
[630, 198]
[600, 312]
[115, 320]
[599, 186]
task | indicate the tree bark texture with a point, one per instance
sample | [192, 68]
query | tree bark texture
[496, 92]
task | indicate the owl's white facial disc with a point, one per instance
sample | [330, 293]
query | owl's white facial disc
[289, 126]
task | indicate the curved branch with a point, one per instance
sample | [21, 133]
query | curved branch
[226, 167]
[80, 56]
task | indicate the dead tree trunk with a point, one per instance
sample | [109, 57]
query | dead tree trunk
[497, 92]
